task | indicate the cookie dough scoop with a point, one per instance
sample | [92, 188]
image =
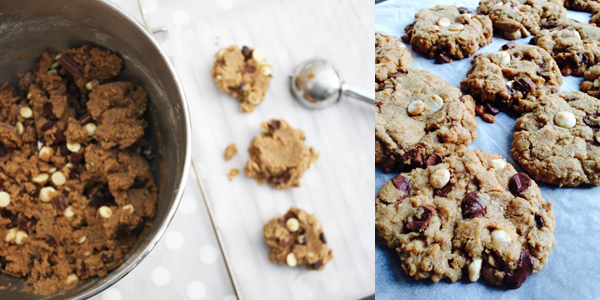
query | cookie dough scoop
[316, 84]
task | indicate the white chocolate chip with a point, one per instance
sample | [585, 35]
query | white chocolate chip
[71, 278]
[59, 178]
[91, 85]
[129, 208]
[290, 259]
[54, 65]
[52, 72]
[4, 199]
[73, 147]
[292, 224]
[58, 56]
[253, 99]
[69, 212]
[87, 253]
[11, 234]
[440, 178]
[29, 95]
[510, 84]
[52, 170]
[433, 28]
[20, 128]
[90, 128]
[82, 239]
[499, 163]
[504, 57]
[492, 261]
[46, 193]
[434, 103]
[26, 112]
[474, 269]
[443, 21]
[576, 33]
[46, 153]
[500, 235]
[20, 236]
[416, 107]
[565, 119]
[266, 70]
[105, 212]
[68, 189]
[40, 178]
[258, 54]
[456, 27]
[499, 4]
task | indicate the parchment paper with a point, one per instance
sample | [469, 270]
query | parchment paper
[573, 268]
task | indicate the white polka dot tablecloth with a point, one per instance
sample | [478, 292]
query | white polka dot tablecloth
[187, 263]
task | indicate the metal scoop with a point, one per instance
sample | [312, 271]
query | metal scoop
[317, 84]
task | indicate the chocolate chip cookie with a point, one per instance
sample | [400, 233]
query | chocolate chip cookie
[76, 188]
[297, 238]
[558, 142]
[448, 32]
[592, 6]
[514, 19]
[392, 58]
[591, 82]
[418, 115]
[471, 213]
[573, 45]
[506, 79]
[279, 155]
[244, 74]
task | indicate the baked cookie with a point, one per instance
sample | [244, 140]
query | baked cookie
[558, 142]
[244, 74]
[591, 82]
[418, 115]
[279, 156]
[448, 32]
[391, 57]
[595, 19]
[514, 19]
[471, 213]
[592, 6]
[503, 80]
[573, 45]
[297, 238]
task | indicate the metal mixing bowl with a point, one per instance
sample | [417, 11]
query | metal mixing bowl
[29, 27]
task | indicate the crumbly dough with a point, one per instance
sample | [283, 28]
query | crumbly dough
[573, 45]
[230, 151]
[555, 154]
[591, 82]
[592, 6]
[506, 79]
[297, 238]
[405, 140]
[79, 193]
[279, 156]
[233, 173]
[391, 57]
[487, 217]
[448, 32]
[244, 74]
[514, 19]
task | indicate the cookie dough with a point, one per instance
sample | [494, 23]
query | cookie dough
[417, 116]
[506, 79]
[297, 238]
[448, 32]
[391, 57]
[244, 74]
[514, 19]
[470, 214]
[558, 142]
[279, 156]
[592, 6]
[75, 195]
[230, 151]
[573, 45]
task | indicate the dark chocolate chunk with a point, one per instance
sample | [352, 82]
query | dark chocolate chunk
[402, 184]
[289, 215]
[518, 183]
[322, 238]
[275, 124]
[280, 222]
[434, 159]
[247, 52]
[491, 108]
[509, 45]
[106, 259]
[280, 178]
[240, 88]
[592, 121]
[539, 222]
[47, 126]
[2, 150]
[76, 158]
[82, 269]
[123, 232]
[413, 158]
[445, 190]
[515, 278]
[249, 69]
[553, 90]
[286, 241]
[60, 201]
[85, 119]
[69, 64]
[570, 97]
[398, 74]
[2, 262]
[47, 111]
[301, 239]
[463, 10]
[419, 224]
[59, 136]
[442, 59]
[317, 265]
[583, 58]
[472, 207]
[64, 151]
[96, 200]
[549, 25]
[51, 241]
[524, 84]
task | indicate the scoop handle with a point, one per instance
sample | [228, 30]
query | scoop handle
[358, 94]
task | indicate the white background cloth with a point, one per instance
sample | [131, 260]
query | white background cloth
[572, 271]
[187, 264]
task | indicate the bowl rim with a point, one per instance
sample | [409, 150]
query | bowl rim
[116, 276]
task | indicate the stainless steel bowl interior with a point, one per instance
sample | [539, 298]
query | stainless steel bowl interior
[29, 27]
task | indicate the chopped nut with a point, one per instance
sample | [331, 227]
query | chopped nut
[11, 234]
[416, 107]
[230, 151]
[46, 193]
[499, 163]
[504, 57]
[443, 22]
[82, 239]
[233, 173]
[46, 153]
[26, 112]
[292, 224]
[290, 259]
[40, 178]
[488, 118]
[434, 103]
[69, 212]
[259, 54]
[128, 208]
[71, 278]
[90, 128]
[565, 119]
[440, 178]
[500, 235]
[20, 128]
[20, 236]
[59, 178]
[73, 147]
[105, 212]
[4, 199]
[474, 269]
[479, 110]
